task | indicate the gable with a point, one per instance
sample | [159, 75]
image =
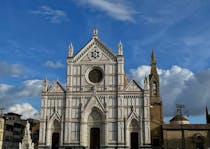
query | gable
[89, 56]
[55, 116]
[94, 51]
[133, 116]
[94, 102]
[57, 87]
[133, 86]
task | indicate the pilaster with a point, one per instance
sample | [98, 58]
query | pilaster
[69, 73]
[120, 67]
[147, 137]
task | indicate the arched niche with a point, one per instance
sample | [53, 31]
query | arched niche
[95, 128]
[56, 126]
[54, 132]
[95, 116]
[134, 134]
[154, 88]
[134, 126]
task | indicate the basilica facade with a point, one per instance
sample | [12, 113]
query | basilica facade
[98, 107]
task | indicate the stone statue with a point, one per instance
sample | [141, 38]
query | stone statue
[26, 142]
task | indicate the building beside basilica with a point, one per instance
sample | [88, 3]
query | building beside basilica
[179, 133]
[98, 107]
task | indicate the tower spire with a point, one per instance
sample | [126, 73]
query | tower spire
[153, 63]
[153, 58]
[154, 78]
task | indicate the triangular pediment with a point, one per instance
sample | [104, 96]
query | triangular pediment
[133, 86]
[55, 116]
[94, 51]
[94, 102]
[132, 116]
[57, 87]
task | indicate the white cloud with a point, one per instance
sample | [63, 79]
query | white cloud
[119, 10]
[54, 15]
[10, 94]
[139, 73]
[24, 109]
[179, 86]
[30, 88]
[13, 70]
[196, 93]
[52, 64]
[4, 88]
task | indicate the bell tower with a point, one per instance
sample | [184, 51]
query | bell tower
[156, 105]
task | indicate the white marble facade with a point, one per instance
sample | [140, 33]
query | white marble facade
[98, 107]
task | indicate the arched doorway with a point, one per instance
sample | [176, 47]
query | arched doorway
[55, 140]
[199, 141]
[134, 134]
[95, 127]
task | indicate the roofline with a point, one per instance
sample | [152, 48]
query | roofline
[98, 40]
[186, 126]
[12, 113]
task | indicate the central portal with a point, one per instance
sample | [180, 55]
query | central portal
[94, 138]
[134, 140]
[55, 140]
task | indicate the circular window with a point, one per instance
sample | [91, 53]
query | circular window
[95, 75]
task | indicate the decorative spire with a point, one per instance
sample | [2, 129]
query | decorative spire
[71, 50]
[120, 48]
[95, 32]
[145, 83]
[45, 85]
[145, 79]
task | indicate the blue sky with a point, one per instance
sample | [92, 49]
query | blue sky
[34, 39]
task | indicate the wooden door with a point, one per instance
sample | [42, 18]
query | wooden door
[134, 140]
[94, 138]
[55, 140]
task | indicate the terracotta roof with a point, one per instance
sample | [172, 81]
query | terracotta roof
[179, 118]
[186, 126]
